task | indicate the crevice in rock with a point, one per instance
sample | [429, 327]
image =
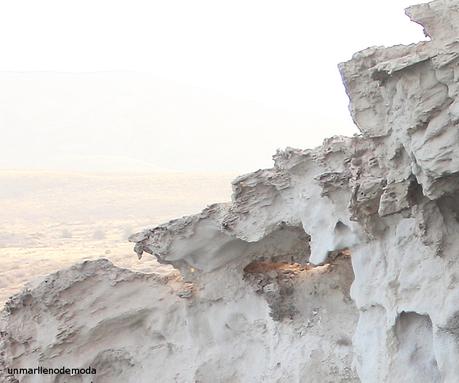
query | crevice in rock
[415, 193]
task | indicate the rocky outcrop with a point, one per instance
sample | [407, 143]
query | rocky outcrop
[264, 288]
[253, 325]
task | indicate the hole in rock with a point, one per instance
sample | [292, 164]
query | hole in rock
[281, 265]
[286, 244]
[415, 193]
[415, 358]
[341, 227]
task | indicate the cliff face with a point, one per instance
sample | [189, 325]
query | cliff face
[264, 290]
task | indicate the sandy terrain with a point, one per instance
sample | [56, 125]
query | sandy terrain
[52, 220]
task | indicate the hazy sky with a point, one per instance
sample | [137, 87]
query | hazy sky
[179, 84]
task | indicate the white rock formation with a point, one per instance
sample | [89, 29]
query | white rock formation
[263, 291]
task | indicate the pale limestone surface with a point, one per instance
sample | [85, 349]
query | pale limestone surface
[389, 195]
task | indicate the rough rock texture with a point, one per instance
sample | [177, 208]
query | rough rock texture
[264, 294]
[134, 327]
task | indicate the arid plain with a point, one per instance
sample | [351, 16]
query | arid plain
[51, 220]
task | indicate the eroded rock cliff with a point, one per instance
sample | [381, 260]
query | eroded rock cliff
[262, 291]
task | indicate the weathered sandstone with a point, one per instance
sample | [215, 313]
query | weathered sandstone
[262, 291]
